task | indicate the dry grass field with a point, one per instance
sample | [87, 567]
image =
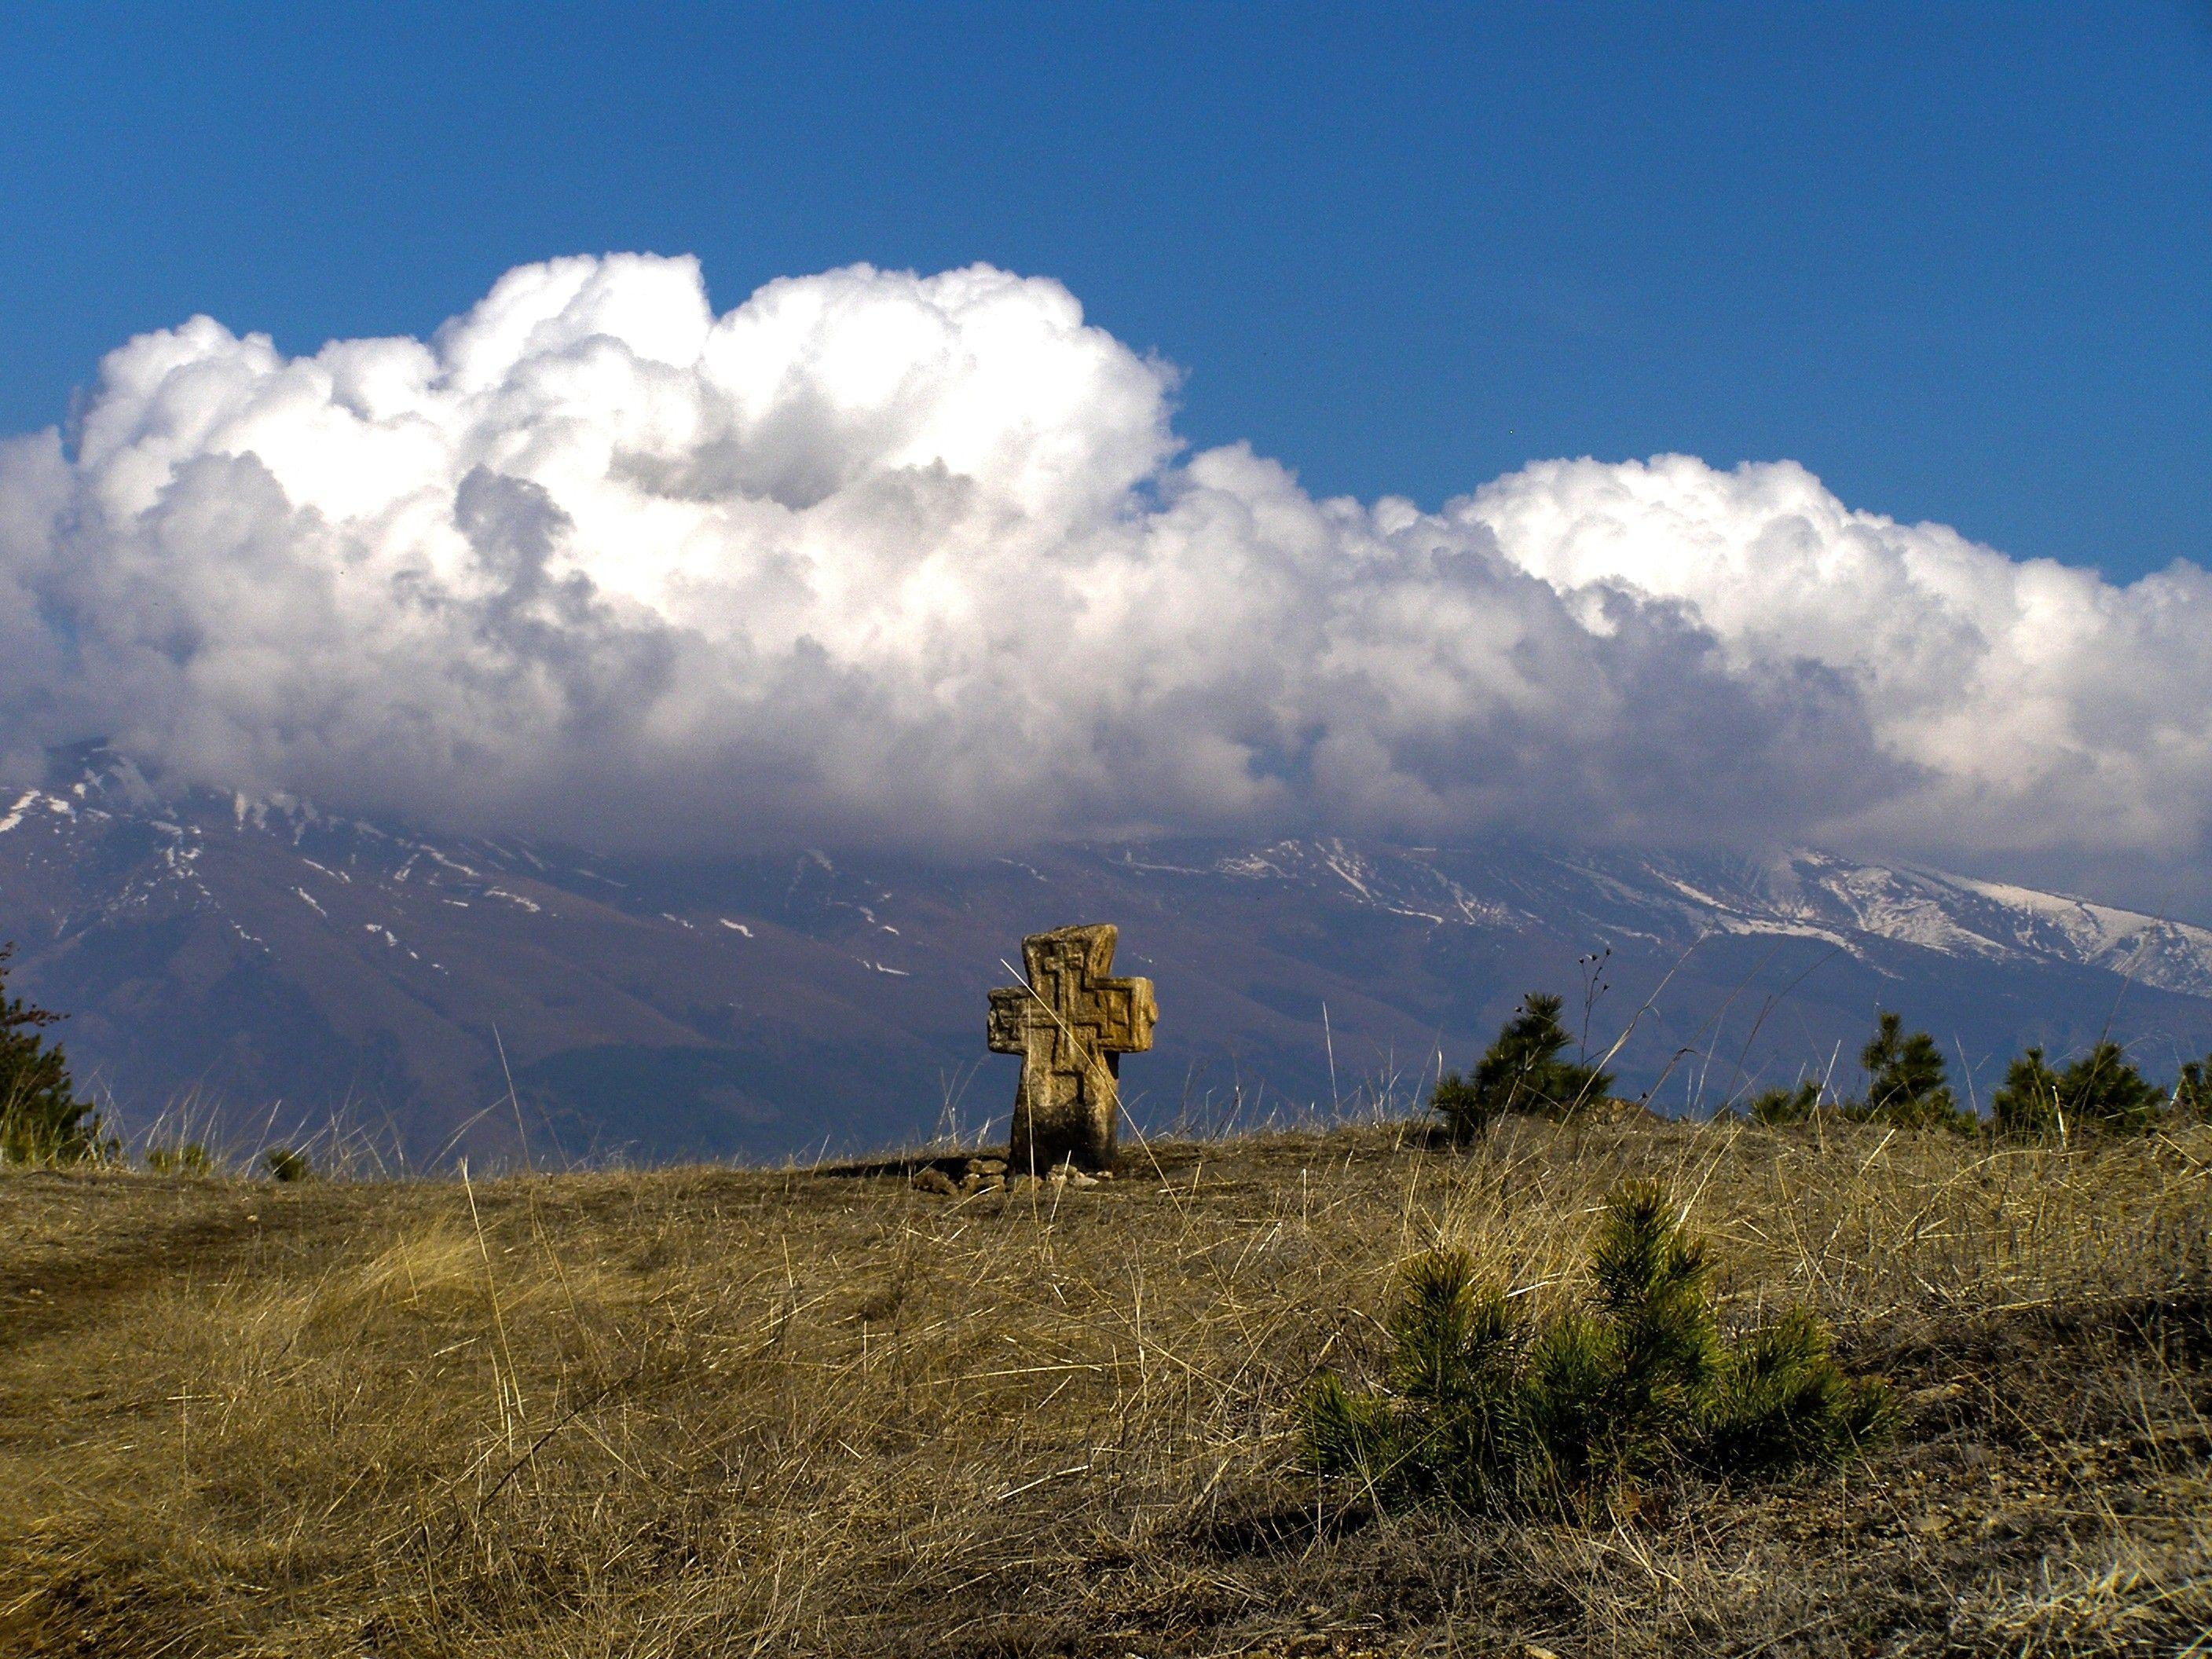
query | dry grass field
[718, 1411]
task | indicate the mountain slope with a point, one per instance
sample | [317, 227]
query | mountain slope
[278, 963]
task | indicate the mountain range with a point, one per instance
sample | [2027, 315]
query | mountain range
[259, 965]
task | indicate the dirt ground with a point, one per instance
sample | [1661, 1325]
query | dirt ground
[710, 1411]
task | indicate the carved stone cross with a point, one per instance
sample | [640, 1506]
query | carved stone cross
[1071, 1024]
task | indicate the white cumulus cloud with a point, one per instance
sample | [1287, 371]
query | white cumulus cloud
[882, 557]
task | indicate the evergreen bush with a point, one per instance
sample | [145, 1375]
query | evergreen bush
[1783, 1400]
[1634, 1385]
[1523, 1070]
[2106, 1093]
[2027, 1103]
[42, 1120]
[2100, 1093]
[1905, 1082]
[2193, 1092]
[1774, 1107]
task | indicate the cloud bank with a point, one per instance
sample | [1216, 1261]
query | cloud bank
[880, 557]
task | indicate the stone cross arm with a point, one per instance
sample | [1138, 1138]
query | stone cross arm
[1072, 996]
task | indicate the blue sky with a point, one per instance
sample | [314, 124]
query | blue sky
[1954, 259]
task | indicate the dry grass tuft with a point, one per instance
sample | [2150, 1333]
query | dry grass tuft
[703, 1412]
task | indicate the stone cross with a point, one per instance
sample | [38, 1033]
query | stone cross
[1071, 1024]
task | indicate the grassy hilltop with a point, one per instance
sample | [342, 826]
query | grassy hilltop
[706, 1411]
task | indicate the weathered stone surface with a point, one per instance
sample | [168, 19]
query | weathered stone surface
[1071, 1023]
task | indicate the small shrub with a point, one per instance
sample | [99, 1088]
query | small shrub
[287, 1165]
[1905, 1082]
[188, 1158]
[1466, 1110]
[1775, 1107]
[2027, 1104]
[2193, 1092]
[2100, 1093]
[1654, 1292]
[41, 1119]
[1348, 1433]
[1453, 1420]
[1614, 1394]
[1452, 1354]
[1523, 1070]
[1783, 1400]
[1632, 1386]
[2106, 1093]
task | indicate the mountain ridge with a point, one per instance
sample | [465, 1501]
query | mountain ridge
[240, 951]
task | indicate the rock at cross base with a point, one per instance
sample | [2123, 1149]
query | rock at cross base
[1071, 1024]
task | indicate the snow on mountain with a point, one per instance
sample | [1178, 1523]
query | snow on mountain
[247, 951]
[1808, 894]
